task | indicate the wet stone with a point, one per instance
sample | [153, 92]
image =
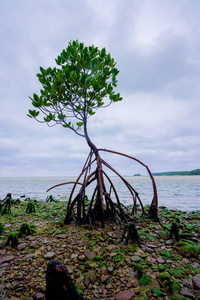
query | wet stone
[39, 296]
[187, 293]
[160, 260]
[196, 281]
[150, 260]
[81, 257]
[125, 295]
[6, 259]
[135, 258]
[49, 255]
[89, 254]
[62, 236]
[21, 246]
[110, 269]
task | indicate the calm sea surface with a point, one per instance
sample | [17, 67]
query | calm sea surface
[181, 192]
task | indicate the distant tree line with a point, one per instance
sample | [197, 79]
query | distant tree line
[193, 172]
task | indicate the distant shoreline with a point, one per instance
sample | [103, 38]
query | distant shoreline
[182, 173]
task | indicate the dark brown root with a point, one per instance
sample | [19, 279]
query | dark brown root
[102, 207]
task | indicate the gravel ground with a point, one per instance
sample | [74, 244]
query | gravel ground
[101, 266]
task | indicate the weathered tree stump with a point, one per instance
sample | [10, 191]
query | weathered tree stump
[12, 239]
[59, 284]
[174, 231]
[6, 206]
[130, 232]
[26, 229]
[30, 208]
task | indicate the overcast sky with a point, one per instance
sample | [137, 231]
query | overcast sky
[156, 45]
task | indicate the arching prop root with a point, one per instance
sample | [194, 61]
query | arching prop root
[102, 207]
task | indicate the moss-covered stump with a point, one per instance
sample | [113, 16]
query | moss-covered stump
[12, 240]
[26, 229]
[30, 208]
[1, 228]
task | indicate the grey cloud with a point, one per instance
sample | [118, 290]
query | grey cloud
[158, 119]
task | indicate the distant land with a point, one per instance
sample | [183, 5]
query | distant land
[193, 172]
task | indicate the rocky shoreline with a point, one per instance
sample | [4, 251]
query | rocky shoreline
[101, 267]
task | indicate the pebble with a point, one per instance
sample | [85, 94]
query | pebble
[39, 296]
[196, 281]
[21, 246]
[110, 269]
[89, 254]
[160, 260]
[109, 286]
[135, 258]
[50, 255]
[150, 260]
[81, 257]
[187, 293]
[62, 236]
[104, 278]
[6, 259]
[49, 248]
[124, 295]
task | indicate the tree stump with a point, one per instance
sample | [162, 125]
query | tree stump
[59, 284]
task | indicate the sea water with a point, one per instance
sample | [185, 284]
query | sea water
[180, 192]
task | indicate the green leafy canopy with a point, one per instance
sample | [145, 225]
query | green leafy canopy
[83, 81]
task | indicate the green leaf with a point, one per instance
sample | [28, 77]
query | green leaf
[77, 85]
[61, 116]
[33, 113]
[91, 112]
[48, 84]
[43, 71]
[79, 124]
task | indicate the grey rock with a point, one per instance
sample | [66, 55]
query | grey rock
[187, 293]
[89, 254]
[39, 296]
[7, 259]
[21, 246]
[196, 281]
[49, 255]
[150, 260]
[160, 260]
[125, 295]
[135, 258]
[62, 236]
[110, 269]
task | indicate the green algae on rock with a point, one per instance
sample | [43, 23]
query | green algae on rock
[187, 248]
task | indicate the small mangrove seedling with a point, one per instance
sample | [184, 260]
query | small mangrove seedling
[27, 199]
[157, 291]
[30, 208]
[12, 239]
[132, 234]
[17, 201]
[26, 229]
[6, 206]
[50, 199]
[175, 287]
[139, 269]
[1, 228]
[146, 279]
